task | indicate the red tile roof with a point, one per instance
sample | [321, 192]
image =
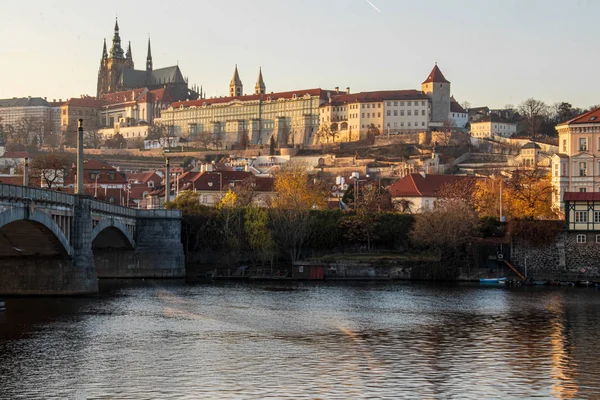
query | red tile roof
[84, 102]
[377, 96]
[212, 180]
[415, 185]
[144, 177]
[15, 154]
[436, 76]
[254, 97]
[96, 166]
[123, 97]
[582, 196]
[589, 117]
[457, 108]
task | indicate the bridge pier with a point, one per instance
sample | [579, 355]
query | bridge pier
[53, 243]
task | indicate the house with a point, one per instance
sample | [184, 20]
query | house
[98, 176]
[576, 168]
[492, 125]
[418, 192]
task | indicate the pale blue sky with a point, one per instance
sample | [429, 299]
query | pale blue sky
[494, 52]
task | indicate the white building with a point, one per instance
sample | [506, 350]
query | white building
[492, 125]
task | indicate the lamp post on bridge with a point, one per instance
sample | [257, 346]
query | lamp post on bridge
[79, 190]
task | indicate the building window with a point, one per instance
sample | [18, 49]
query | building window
[582, 190]
[597, 238]
[408, 103]
[389, 103]
[388, 113]
[395, 113]
[596, 217]
[402, 113]
[422, 112]
[580, 216]
[395, 103]
[581, 238]
[363, 115]
[422, 123]
[582, 144]
[378, 114]
[401, 104]
[368, 106]
[408, 112]
[582, 169]
[379, 105]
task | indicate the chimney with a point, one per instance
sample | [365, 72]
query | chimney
[337, 89]
[348, 90]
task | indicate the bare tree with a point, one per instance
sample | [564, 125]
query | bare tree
[535, 112]
[204, 139]
[50, 168]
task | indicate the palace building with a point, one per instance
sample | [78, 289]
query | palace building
[117, 73]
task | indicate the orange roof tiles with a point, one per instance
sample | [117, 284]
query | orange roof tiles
[436, 76]
[415, 185]
[377, 96]
[592, 116]
[582, 196]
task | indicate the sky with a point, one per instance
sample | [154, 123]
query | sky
[495, 52]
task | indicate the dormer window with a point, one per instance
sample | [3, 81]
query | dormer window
[210, 184]
[592, 118]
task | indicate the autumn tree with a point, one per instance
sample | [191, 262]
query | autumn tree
[486, 197]
[534, 112]
[530, 191]
[446, 229]
[50, 168]
[296, 194]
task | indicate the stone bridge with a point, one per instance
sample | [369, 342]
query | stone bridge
[57, 243]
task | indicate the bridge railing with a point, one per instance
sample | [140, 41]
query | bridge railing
[17, 192]
[112, 209]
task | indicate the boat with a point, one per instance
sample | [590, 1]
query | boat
[492, 281]
[586, 283]
[540, 282]
[2, 305]
[566, 283]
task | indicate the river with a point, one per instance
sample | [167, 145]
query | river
[169, 340]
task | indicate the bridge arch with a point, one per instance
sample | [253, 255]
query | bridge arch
[24, 215]
[110, 223]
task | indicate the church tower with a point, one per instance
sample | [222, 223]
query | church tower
[437, 88]
[260, 87]
[149, 58]
[235, 86]
[112, 65]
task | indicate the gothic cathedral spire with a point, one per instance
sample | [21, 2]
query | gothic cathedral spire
[104, 52]
[128, 55]
[260, 87]
[116, 51]
[235, 86]
[149, 58]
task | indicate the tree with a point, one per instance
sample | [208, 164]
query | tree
[534, 113]
[204, 139]
[530, 192]
[244, 140]
[272, 146]
[116, 142]
[372, 132]
[258, 234]
[92, 138]
[446, 228]
[486, 197]
[244, 191]
[325, 132]
[295, 196]
[466, 105]
[161, 133]
[50, 168]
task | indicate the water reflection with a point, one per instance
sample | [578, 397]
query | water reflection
[157, 339]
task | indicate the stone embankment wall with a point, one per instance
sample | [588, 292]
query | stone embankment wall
[562, 259]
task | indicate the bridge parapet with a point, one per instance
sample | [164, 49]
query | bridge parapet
[20, 193]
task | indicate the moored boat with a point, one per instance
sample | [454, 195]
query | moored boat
[2, 305]
[492, 281]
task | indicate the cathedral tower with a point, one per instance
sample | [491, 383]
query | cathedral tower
[437, 88]
[235, 86]
[149, 58]
[260, 87]
[113, 64]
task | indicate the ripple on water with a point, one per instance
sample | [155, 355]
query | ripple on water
[165, 340]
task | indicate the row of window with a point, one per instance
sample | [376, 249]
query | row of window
[377, 105]
[582, 216]
[389, 113]
[583, 238]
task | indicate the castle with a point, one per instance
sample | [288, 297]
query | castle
[117, 73]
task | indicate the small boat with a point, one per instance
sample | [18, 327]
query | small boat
[2, 305]
[565, 283]
[540, 282]
[493, 281]
[585, 283]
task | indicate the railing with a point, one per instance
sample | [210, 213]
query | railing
[112, 209]
[16, 192]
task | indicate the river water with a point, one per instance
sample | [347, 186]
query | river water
[166, 339]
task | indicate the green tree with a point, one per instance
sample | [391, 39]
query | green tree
[272, 146]
[259, 236]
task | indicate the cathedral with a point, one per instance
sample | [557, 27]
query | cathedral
[117, 73]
